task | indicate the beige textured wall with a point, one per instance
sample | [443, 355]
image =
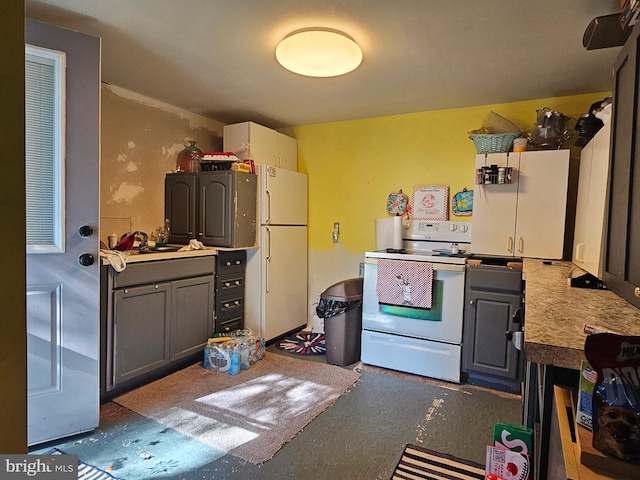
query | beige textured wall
[141, 139]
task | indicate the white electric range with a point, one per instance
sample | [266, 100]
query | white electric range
[418, 340]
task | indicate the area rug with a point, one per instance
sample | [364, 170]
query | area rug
[304, 344]
[85, 472]
[250, 415]
[418, 462]
[134, 447]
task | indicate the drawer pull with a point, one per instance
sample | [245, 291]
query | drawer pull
[237, 282]
[237, 262]
[228, 264]
[237, 302]
[227, 284]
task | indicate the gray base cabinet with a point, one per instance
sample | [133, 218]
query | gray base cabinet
[494, 307]
[158, 313]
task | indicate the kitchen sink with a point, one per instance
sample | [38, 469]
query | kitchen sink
[166, 248]
[157, 249]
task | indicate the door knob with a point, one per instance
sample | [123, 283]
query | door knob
[86, 259]
[636, 292]
[85, 231]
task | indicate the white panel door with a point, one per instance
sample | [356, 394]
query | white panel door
[285, 279]
[542, 203]
[63, 296]
[283, 196]
[494, 210]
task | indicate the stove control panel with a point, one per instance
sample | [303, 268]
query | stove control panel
[439, 231]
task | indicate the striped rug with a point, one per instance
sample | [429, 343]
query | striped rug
[420, 463]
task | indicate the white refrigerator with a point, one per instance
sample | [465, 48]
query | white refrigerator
[276, 276]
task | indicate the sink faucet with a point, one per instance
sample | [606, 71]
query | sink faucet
[145, 238]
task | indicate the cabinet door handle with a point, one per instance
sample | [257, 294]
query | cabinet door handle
[267, 220]
[520, 244]
[517, 316]
[510, 244]
[267, 259]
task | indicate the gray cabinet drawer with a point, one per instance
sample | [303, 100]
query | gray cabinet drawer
[231, 260]
[163, 270]
[487, 277]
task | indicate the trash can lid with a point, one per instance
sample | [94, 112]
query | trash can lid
[345, 290]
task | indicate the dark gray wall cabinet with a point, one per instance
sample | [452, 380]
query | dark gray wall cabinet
[622, 251]
[494, 307]
[217, 208]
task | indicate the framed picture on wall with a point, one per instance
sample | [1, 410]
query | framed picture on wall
[430, 202]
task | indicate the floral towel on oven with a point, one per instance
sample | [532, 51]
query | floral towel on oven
[405, 283]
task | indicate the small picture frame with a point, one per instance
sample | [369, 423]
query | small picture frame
[430, 202]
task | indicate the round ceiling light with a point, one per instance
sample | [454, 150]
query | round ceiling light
[319, 53]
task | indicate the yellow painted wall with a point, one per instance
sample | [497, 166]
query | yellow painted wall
[354, 165]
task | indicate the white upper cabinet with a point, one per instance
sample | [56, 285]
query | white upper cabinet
[267, 146]
[525, 218]
[588, 251]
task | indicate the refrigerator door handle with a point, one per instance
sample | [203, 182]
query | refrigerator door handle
[268, 198]
[267, 259]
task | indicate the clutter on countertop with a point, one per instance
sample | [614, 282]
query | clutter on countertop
[117, 259]
[193, 245]
[233, 351]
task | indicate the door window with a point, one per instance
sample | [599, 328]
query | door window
[44, 149]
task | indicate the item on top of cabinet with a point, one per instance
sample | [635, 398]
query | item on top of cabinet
[495, 123]
[550, 130]
[493, 143]
[590, 123]
[189, 158]
[496, 134]
[520, 144]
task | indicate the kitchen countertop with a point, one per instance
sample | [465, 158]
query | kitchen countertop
[146, 257]
[555, 314]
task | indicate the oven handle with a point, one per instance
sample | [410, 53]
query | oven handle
[438, 267]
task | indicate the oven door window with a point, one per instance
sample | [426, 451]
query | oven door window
[433, 314]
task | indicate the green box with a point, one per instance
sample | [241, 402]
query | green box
[516, 438]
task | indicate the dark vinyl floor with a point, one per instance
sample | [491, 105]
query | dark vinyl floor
[361, 436]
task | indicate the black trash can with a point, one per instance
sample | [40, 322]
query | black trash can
[341, 307]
